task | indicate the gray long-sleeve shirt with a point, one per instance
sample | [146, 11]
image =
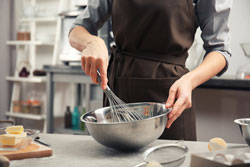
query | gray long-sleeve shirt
[211, 15]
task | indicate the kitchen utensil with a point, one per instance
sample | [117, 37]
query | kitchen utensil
[170, 155]
[34, 150]
[38, 140]
[120, 111]
[244, 124]
[127, 136]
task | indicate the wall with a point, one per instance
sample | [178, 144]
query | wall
[240, 30]
[5, 54]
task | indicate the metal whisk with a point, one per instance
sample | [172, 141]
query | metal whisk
[120, 111]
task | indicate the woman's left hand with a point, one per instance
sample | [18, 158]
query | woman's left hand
[180, 98]
[180, 93]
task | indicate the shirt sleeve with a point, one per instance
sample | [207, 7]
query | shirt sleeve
[94, 15]
[212, 17]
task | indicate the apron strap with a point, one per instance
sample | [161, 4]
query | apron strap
[179, 59]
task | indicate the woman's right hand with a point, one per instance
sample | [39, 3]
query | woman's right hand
[95, 57]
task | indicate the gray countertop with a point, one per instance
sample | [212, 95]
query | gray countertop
[84, 151]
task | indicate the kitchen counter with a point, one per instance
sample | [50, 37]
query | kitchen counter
[79, 151]
[230, 83]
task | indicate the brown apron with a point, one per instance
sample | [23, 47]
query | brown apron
[152, 38]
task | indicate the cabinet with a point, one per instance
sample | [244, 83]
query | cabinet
[38, 31]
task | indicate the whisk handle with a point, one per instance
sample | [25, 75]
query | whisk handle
[100, 80]
[99, 77]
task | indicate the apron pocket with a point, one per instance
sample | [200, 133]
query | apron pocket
[132, 90]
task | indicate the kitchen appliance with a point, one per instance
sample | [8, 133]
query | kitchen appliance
[244, 71]
[127, 136]
[68, 54]
[244, 124]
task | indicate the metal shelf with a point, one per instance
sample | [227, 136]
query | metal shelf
[26, 116]
[39, 19]
[39, 43]
[29, 79]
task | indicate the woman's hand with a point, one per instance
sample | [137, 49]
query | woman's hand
[95, 57]
[94, 53]
[180, 93]
[180, 98]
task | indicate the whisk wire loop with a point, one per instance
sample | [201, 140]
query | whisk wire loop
[120, 111]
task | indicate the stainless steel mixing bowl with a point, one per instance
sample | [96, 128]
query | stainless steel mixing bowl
[127, 136]
[244, 124]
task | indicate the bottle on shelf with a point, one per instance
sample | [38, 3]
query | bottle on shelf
[68, 118]
[76, 119]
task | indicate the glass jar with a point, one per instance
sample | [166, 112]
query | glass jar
[23, 32]
[17, 106]
[35, 102]
[243, 71]
[25, 107]
[36, 107]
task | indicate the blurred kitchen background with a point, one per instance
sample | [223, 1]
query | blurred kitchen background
[33, 43]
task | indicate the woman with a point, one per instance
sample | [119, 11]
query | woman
[152, 39]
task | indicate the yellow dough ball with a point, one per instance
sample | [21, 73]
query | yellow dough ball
[216, 144]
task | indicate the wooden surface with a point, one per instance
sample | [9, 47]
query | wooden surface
[34, 150]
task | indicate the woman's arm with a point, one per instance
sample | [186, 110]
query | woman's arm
[79, 38]
[83, 38]
[212, 17]
[181, 90]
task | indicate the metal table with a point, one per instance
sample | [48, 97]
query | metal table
[66, 74]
